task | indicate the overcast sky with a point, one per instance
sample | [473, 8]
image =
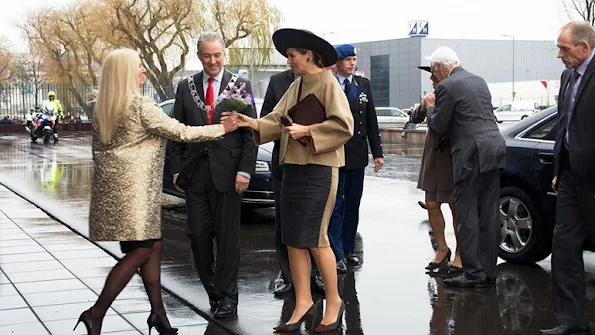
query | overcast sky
[370, 20]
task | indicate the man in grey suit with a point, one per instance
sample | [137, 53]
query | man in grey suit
[461, 108]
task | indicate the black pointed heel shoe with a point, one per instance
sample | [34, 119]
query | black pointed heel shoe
[333, 326]
[155, 320]
[444, 262]
[85, 318]
[291, 327]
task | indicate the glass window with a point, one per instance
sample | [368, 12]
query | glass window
[168, 109]
[382, 112]
[504, 108]
[380, 78]
[545, 131]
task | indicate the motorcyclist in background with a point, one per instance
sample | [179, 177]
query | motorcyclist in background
[53, 104]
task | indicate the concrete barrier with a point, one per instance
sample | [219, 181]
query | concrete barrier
[409, 142]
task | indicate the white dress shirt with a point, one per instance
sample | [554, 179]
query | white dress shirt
[216, 84]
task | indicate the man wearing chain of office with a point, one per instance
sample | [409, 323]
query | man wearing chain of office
[345, 217]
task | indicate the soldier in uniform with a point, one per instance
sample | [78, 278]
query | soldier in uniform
[345, 217]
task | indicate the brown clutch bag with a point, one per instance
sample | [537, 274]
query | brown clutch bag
[306, 112]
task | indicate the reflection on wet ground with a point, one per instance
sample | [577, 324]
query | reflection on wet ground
[388, 294]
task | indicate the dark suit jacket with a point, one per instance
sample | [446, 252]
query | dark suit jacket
[278, 84]
[581, 135]
[365, 127]
[464, 112]
[234, 152]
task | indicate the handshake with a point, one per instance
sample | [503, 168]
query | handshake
[230, 123]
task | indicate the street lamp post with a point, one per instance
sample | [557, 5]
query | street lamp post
[513, 92]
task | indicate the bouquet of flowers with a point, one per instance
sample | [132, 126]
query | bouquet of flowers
[236, 99]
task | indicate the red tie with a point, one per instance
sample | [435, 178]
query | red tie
[210, 100]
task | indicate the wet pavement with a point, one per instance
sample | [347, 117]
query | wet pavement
[388, 294]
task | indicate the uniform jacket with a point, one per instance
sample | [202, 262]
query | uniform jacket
[128, 173]
[234, 152]
[435, 174]
[365, 126]
[581, 136]
[278, 85]
[328, 137]
[463, 111]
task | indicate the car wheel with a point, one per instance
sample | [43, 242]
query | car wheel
[523, 237]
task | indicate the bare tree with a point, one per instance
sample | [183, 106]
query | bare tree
[246, 28]
[585, 9]
[28, 76]
[69, 45]
[7, 63]
[75, 39]
[160, 30]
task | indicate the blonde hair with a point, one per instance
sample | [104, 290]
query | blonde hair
[118, 85]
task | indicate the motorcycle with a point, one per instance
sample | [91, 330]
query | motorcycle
[42, 125]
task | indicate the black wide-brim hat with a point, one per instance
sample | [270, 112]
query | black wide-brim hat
[300, 38]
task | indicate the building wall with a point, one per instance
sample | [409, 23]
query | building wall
[490, 59]
[404, 55]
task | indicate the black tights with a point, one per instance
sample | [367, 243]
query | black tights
[149, 262]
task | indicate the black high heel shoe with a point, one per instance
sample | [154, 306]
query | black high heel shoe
[333, 326]
[85, 318]
[291, 327]
[445, 260]
[155, 320]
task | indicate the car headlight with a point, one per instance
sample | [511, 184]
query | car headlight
[262, 167]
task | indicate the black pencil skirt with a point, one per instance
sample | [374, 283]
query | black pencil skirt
[308, 195]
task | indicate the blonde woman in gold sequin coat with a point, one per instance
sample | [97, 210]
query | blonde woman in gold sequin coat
[129, 138]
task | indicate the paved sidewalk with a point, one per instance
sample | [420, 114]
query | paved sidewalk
[49, 275]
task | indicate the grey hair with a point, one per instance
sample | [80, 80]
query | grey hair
[209, 37]
[445, 56]
[580, 31]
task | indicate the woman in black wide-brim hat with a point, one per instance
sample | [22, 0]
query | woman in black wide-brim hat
[310, 176]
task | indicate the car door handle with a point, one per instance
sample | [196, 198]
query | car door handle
[546, 157]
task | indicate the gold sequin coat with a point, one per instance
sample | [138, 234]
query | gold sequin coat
[128, 172]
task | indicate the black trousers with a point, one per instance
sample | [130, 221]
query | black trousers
[477, 199]
[280, 248]
[214, 218]
[575, 225]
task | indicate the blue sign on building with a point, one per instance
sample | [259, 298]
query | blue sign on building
[418, 28]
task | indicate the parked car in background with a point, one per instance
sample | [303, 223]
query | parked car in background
[516, 111]
[260, 190]
[391, 117]
[527, 201]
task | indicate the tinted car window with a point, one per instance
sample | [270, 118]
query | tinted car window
[168, 109]
[543, 131]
